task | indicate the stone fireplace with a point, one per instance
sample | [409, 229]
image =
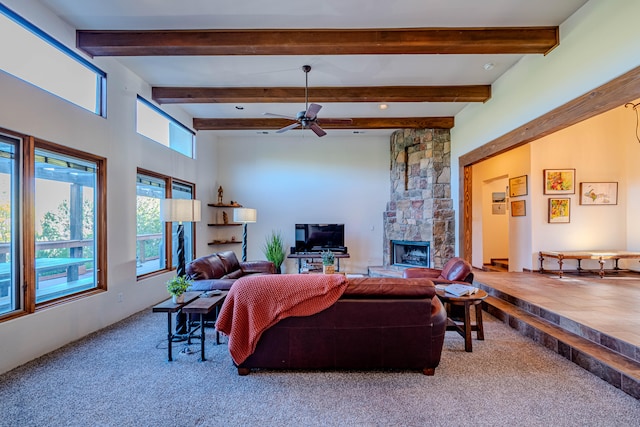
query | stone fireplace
[420, 207]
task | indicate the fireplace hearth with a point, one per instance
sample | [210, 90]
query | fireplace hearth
[410, 254]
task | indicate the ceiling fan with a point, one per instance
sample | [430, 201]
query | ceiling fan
[308, 118]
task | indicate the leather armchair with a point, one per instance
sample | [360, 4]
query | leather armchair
[455, 270]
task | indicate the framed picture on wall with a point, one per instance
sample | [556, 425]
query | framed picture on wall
[559, 181]
[518, 186]
[518, 208]
[559, 210]
[598, 193]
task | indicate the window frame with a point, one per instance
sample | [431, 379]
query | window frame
[25, 245]
[171, 120]
[100, 257]
[100, 108]
[168, 226]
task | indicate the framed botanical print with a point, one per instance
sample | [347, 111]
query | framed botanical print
[559, 210]
[598, 193]
[559, 181]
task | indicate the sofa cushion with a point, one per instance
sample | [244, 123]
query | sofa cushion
[206, 267]
[236, 274]
[380, 287]
[230, 261]
[211, 284]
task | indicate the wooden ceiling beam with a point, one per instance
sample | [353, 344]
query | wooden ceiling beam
[497, 40]
[357, 123]
[218, 95]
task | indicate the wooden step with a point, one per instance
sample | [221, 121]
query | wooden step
[601, 361]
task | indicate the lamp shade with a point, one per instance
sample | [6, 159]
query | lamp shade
[180, 210]
[245, 215]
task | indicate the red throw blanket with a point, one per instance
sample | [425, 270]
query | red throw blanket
[255, 303]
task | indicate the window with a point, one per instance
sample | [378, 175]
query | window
[160, 127]
[32, 55]
[152, 246]
[66, 216]
[9, 273]
[180, 190]
[150, 235]
[51, 231]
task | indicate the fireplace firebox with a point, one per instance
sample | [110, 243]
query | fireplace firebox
[410, 254]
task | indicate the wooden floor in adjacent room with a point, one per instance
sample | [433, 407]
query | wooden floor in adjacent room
[610, 304]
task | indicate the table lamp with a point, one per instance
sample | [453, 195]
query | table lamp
[180, 210]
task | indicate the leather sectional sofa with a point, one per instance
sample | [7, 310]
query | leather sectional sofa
[220, 270]
[377, 323]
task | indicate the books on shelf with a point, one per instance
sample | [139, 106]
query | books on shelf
[460, 290]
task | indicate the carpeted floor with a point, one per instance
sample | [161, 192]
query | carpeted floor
[120, 377]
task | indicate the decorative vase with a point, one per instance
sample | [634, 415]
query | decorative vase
[178, 299]
[328, 269]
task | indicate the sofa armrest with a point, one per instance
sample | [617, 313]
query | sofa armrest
[251, 267]
[421, 272]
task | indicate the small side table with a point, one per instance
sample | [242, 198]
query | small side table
[171, 307]
[202, 306]
[466, 327]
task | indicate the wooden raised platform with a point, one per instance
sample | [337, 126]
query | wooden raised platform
[590, 320]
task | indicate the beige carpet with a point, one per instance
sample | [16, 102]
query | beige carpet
[120, 377]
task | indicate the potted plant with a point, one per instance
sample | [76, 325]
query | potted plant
[177, 287]
[327, 262]
[274, 250]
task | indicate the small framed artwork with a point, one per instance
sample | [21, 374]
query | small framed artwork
[559, 211]
[518, 208]
[498, 208]
[518, 186]
[598, 193]
[499, 197]
[559, 181]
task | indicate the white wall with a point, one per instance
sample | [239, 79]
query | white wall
[293, 180]
[596, 149]
[26, 109]
[597, 44]
[509, 237]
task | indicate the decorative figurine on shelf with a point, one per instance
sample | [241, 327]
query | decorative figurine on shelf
[225, 218]
[220, 191]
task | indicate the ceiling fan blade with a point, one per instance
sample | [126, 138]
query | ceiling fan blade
[312, 111]
[279, 115]
[317, 129]
[336, 121]
[286, 128]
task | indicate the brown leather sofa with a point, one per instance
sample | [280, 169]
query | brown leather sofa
[455, 270]
[220, 270]
[378, 323]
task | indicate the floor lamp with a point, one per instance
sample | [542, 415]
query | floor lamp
[244, 216]
[180, 210]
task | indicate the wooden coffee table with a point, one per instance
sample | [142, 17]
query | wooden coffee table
[203, 306]
[465, 327]
[171, 307]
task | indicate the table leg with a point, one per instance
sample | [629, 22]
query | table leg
[202, 359]
[467, 327]
[560, 262]
[601, 261]
[169, 336]
[479, 326]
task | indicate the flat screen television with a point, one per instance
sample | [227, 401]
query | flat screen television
[319, 237]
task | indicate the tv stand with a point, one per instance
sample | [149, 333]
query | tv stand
[316, 255]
